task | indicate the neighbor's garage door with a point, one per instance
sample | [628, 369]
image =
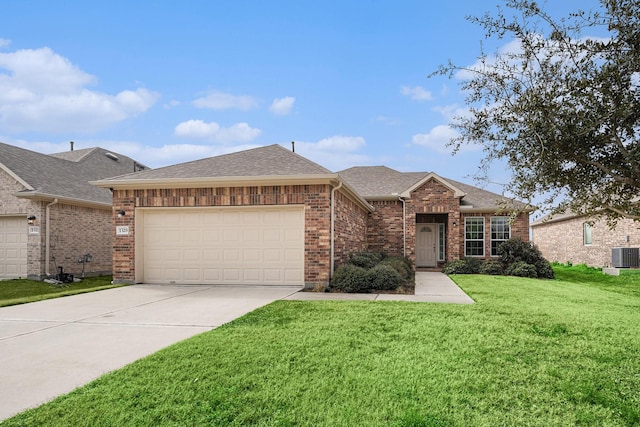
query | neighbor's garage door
[13, 247]
[252, 246]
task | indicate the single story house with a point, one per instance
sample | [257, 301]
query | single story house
[51, 216]
[270, 216]
[579, 239]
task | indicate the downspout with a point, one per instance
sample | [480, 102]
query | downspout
[333, 221]
[404, 226]
[47, 250]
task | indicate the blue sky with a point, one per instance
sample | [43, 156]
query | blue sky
[167, 82]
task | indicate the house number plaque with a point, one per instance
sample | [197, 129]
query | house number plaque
[122, 230]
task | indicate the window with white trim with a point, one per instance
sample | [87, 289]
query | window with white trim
[586, 233]
[474, 236]
[500, 232]
[441, 251]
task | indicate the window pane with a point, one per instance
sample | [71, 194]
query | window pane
[587, 233]
[474, 236]
[500, 232]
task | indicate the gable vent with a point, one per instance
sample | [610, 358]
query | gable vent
[111, 156]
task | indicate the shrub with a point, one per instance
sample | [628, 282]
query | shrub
[401, 264]
[493, 267]
[365, 259]
[459, 266]
[384, 277]
[350, 278]
[517, 250]
[522, 269]
[473, 264]
[544, 269]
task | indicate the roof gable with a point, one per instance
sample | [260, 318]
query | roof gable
[457, 193]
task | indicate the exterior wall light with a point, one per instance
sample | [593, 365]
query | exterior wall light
[121, 213]
[455, 224]
[31, 219]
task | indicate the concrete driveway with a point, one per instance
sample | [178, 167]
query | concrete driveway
[51, 347]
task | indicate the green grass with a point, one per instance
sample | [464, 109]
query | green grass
[21, 291]
[529, 352]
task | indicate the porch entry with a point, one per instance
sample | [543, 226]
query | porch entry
[426, 245]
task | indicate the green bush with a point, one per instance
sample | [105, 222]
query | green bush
[473, 264]
[365, 259]
[351, 278]
[401, 264]
[458, 266]
[492, 267]
[384, 277]
[517, 250]
[522, 269]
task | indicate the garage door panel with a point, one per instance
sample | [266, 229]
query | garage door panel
[13, 247]
[246, 245]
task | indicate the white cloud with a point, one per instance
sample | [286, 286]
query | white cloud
[417, 93]
[171, 104]
[239, 132]
[334, 153]
[452, 111]
[226, 101]
[390, 121]
[282, 106]
[4, 42]
[44, 91]
[437, 139]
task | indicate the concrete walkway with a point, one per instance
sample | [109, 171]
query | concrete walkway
[430, 287]
[50, 347]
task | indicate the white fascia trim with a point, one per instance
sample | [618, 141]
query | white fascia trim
[62, 199]
[16, 177]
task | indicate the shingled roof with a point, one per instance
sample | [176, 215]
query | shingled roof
[64, 175]
[379, 182]
[272, 160]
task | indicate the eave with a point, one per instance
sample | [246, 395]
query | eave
[35, 195]
[232, 181]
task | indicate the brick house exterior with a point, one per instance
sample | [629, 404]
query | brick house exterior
[562, 239]
[420, 215]
[71, 217]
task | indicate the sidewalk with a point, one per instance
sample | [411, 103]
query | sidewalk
[430, 287]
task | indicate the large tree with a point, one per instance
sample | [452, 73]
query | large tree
[559, 105]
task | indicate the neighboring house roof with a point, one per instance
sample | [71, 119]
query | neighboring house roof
[66, 175]
[556, 218]
[381, 182]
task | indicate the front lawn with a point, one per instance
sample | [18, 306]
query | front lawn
[20, 291]
[529, 352]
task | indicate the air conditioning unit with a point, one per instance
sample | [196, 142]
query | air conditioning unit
[625, 257]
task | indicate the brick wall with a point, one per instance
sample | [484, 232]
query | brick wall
[315, 198]
[384, 229]
[350, 228]
[563, 241]
[76, 231]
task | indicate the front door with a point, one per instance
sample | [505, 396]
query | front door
[426, 245]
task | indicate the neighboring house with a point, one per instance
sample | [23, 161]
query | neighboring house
[270, 216]
[582, 240]
[51, 216]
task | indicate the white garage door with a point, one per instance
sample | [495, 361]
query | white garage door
[251, 246]
[13, 247]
